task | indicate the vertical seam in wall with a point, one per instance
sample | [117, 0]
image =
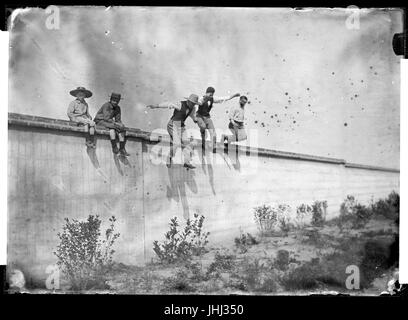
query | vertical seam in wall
[143, 204]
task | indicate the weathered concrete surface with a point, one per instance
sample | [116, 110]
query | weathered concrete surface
[52, 176]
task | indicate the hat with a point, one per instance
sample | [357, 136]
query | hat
[81, 89]
[193, 98]
[115, 96]
[210, 90]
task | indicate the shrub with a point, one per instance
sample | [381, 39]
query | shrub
[82, 256]
[268, 218]
[311, 236]
[265, 218]
[302, 212]
[319, 210]
[375, 261]
[282, 260]
[244, 241]
[255, 276]
[179, 282]
[387, 208]
[284, 221]
[394, 201]
[303, 277]
[353, 213]
[180, 245]
[222, 262]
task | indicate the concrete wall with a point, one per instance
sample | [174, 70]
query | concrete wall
[53, 176]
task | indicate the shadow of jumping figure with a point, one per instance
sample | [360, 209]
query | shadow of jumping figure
[117, 164]
[93, 157]
[179, 177]
[206, 164]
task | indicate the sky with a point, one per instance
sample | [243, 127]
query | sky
[315, 86]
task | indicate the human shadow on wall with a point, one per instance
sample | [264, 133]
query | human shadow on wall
[93, 157]
[179, 177]
[206, 164]
[117, 164]
[124, 160]
[232, 152]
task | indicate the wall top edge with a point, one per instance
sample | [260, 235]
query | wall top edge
[65, 125]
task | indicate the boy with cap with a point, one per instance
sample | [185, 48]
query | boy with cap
[236, 124]
[78, 111]
[203, 115]
[176, 127]
[109, 117]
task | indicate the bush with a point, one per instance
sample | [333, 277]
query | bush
[302, 212]
[303, 277]
[375, 261]
[255, 276]
[222, 262]
[244, 241]
[265, 218]
[180, 245]
[284, 220]
[82, 256]
[268, 218]
[319, 211]
[353, 213]
[387, 208]
[179, 282]
[282, 260]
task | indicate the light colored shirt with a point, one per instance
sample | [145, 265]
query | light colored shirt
[237, 113]
[78, 108]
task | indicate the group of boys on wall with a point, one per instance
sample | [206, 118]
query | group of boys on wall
[109, 117]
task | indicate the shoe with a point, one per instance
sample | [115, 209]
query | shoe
[168, 163]
[122, 149]
[189, 166]
[123, 152]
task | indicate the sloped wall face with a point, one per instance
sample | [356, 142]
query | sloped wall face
[226, 189]
[52, 176]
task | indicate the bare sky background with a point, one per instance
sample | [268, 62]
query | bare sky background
[314, 86]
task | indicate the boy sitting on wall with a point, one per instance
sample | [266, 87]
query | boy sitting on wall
[78, 111]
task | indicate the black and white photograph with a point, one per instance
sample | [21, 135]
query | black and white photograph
[204, 150]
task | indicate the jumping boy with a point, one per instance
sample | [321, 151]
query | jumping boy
[203, 115]
[176, 127]
[236, 124]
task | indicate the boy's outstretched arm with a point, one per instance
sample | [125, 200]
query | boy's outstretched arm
[223, 99]
[164, 105]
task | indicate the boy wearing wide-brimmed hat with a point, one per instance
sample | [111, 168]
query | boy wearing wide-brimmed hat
[204, 121]
[109, 117]
[78, 111]
[176, 127]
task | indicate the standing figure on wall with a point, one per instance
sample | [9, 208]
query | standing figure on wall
[203, 115]
[78, 112]
[176, 127]
[236, 124]
[109, 117]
